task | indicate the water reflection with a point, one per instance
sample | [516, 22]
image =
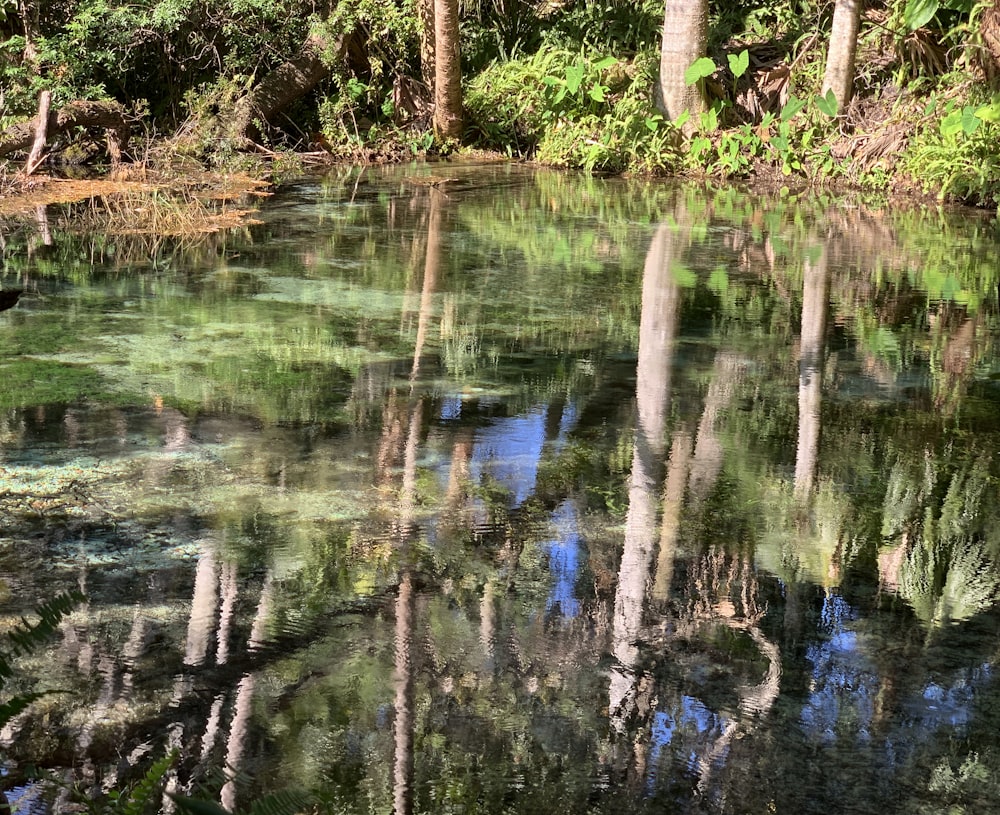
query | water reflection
[657, 332]
[545, 494]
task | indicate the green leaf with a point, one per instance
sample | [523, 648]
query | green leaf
[603, 64]
[718, 281]
[699, 69]
[827, 104]
[739, 63]
[683, 119]
[952, 123]
[792, 106]
[596, 93]
[919, 12]
[683, 276]
[970, 122]
[149, 786]
[990, 112]
[574, 77]
[653, 122]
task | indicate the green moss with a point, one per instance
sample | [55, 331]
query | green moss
[29, 382]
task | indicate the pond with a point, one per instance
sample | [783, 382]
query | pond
[487, 489]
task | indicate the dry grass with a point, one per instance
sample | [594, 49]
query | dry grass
[138, 202]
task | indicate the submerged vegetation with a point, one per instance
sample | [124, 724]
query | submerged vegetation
[580, 84]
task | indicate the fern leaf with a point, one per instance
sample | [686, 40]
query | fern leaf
[284, 802]
[10, 708]
[198, 806]
[27, 636]
[142, 793]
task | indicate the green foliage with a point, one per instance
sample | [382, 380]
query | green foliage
[794, 147]
[956, 154]
[699, 69]
[918, 13]
[604, 26]
[739, 63]
[574, 110]
[357, 107]
[284, 802]
[26, 637]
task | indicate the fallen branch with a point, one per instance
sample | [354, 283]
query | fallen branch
[109, 116]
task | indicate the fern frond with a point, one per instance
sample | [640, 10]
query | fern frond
[148, 786]
[15, 705]
[284, 802]
[27, 636]
[198, 806]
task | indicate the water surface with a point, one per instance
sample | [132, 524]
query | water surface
[476, 489]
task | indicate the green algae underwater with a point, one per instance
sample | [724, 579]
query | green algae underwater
[483, 488]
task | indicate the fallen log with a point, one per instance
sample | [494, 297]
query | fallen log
[108, 116]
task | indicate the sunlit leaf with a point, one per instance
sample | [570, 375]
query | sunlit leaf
[574, 77]
[970, 122]
[699, 69]
[952, 123]
[738, 63]
[919, 12]
[683, 276]
[990, 112]
[791, 107]
[827, 104]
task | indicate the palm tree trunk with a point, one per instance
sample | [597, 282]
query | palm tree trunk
[685, 35]
[447, 72]
[839, 76]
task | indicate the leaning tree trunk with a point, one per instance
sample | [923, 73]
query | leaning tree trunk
[839, 76]
[685, 36]
[447, 72]
[286, 84]
[109, 116]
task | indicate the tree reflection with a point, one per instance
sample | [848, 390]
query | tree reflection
[657, 332]
[812, 348]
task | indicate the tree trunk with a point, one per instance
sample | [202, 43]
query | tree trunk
[447, 72]
[107, 115]
[685, 36]
[839, 76]
[425, 9]
[286, 84]
[41, 133]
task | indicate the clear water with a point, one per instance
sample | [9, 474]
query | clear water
[522, 492]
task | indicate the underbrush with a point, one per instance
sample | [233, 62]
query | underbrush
[955, 154]
[575, 110]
